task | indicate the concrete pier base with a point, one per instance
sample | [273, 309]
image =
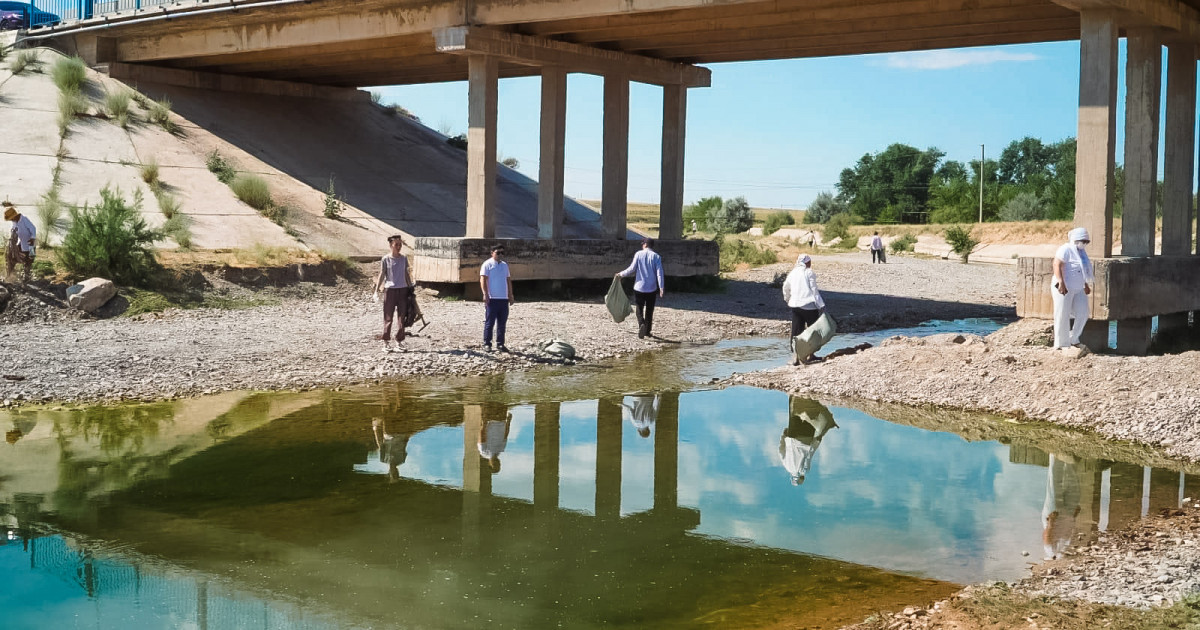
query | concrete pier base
[1133, 336]
[1095, 335]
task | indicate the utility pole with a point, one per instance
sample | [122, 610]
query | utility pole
[980, 183]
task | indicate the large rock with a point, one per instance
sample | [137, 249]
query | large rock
[91, 294]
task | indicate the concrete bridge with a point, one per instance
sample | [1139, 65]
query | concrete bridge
[275, 45]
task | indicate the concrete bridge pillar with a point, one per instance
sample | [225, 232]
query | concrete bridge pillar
[551, 168]
[1097, 138]
[614, 195]
[608, 458]
[666, 453]
[1143, 84]
[545, 455]
[483, 75]
[1179, 164]
[674, 126]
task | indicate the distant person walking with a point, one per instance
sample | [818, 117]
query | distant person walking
[801, 294]
[1070, 288]
[21, 249]
[496, 282]
[648, 285]
[395, 280]
[693, 226]
[876, 249]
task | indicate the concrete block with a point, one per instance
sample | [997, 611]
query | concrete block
[1125, 288]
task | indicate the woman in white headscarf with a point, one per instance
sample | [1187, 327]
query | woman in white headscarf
[1070, 288]
[801, 294]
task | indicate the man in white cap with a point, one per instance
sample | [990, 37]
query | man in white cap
[801, 294]
[20, 241]
[1070, 288]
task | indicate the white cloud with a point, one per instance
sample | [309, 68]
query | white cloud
[946, 59]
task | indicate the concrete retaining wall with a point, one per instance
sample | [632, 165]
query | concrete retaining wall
[457, 260]
[1126, 288]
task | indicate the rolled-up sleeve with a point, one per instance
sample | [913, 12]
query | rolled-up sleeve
[812, 289]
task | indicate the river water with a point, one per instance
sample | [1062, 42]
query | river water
[627, 497]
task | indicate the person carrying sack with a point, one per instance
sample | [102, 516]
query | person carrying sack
[395, 280]
[21, 242]
[802, 297]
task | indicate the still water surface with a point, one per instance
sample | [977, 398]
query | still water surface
[640, 501]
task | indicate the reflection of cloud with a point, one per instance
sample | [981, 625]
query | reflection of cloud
[947, 59]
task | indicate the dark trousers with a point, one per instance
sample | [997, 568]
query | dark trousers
[875, 256]
[495, 313]
[645, 302]
[395, 302]
[803, 318]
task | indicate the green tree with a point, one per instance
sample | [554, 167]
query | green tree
[777, 220]
[824, 207]
[1024, 206]
[885, 179]
[698, 211]
[732, 217]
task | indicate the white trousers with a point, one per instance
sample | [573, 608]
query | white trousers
[1073, 305]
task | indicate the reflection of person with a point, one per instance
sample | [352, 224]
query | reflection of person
[496, 283]
[801, 294]
[647, 286]
[1061, 507]
[493, 439]
[395, 279]
[393, 448]
[643, 412]
[20, 242]
[808, 422]
[1070, 288]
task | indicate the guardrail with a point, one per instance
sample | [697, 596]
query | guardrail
[33, 14]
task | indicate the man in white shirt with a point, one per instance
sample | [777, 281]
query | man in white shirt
[876, 249]
[20, 242]
[496, 283]
[648, 284]
[801, 294]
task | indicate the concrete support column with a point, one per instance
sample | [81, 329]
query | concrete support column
[1097, 137]
[608, 458]
[666, 453]
[545, 455]
[554, 138]
[1179, 164]
[1143, 85]
[674, 126]
[615, 193]
[477, 478]
[483, 75]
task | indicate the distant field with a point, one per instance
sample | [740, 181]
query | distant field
[647, 213]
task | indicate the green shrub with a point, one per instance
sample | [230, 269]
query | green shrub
[219, 166]
[776, 220]
[734, 216]
[24, 60]
[736, 251]
[160, 114]
[116, 103]
[1025, 206]
[110, 240]
[71, 103]
[824, 208]
[179, 228]
[838, 226]
[903, 244]
[960, 241]
[43, 268]
[150, 171]
[252, 190]
[69, 74]
[458, 142]
[168, 204]
[51, 212]
[333, 204]
[698, 212]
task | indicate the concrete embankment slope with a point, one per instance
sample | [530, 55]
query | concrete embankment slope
[394, 174]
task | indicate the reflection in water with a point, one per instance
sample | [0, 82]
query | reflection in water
[808, 422]
[684, 520]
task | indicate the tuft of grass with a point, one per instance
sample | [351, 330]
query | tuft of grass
[905, 243]
[69, 74]
[150, 171]
[736, 251]
[168, 204]
[43, 268]
[116, 103]
[179, 228]
[219, 166]
[71, 103]
[253, 191]
[52, 213]
[160, 114]
[264, 256]
[332, 256]
[24, 60]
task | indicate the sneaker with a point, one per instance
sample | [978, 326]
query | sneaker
[487, 347]
[502, 348]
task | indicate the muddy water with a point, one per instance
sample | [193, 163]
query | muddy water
[628, 497]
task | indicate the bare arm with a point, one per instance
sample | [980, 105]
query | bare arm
[483, 284]
[382, 277]
[510, 292]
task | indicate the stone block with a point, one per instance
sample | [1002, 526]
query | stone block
[1125, 287]
[91, 294]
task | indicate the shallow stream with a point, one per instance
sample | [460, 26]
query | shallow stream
[628, 497]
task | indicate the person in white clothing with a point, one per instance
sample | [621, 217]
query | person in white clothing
[643, 413]
[493, 439]
[1061, 509]
[808, 422]
[876, 249]
[801, 294]
[21, 242]
[1070, 288]
[496, 283]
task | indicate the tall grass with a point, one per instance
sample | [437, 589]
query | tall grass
[168, 204]
[71, 103]
[252, 190]
[116, 103]
[160, 114]
[219, 166]
[24, 60]
[179, 228]
[52, 215]
[69, 74]
[150, 172]
[110, 240]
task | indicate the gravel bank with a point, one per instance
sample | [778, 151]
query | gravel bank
[318, 336]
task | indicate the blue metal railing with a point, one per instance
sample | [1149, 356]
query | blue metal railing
[42, 13]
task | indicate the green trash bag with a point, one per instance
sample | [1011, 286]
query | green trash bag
[617, 302]
[814, 337]
[558, 348]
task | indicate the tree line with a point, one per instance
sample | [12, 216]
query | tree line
[1031, 180]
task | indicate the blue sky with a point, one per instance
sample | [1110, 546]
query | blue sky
[779, 132]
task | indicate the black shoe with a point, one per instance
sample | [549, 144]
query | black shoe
[502, 348]
[487, 347]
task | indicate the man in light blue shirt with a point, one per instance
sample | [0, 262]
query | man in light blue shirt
[648, 285]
